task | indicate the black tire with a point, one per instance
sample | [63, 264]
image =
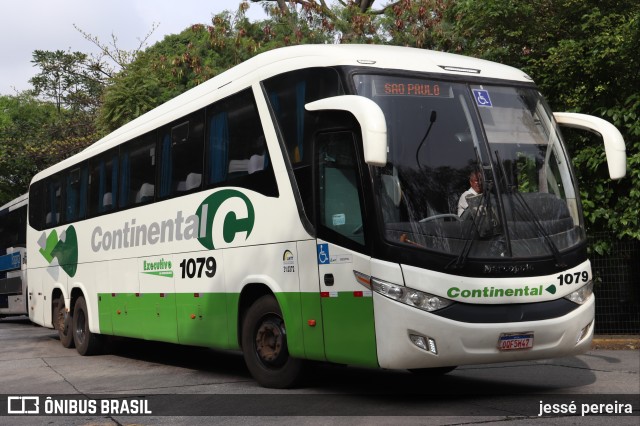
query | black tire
[63, 323]
[86, 342]
[264, 345]
[432, 372]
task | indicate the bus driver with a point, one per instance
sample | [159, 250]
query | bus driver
[475, 181]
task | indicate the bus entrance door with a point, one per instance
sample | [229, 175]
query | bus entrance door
[347, 306]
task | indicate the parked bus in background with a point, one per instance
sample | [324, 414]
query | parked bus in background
[13, 257]
[303, 206]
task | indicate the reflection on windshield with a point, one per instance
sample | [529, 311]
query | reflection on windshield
[473, 171]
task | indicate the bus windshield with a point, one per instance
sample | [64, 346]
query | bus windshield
[475, 171]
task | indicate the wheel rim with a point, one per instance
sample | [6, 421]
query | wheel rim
[270, 341]
[80, 325]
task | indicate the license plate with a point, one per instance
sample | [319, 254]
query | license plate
[515, 341]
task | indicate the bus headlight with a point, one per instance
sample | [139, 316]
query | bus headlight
[582, 294]
[409, 296]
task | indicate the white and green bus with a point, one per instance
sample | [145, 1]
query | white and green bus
[303, 205]
[13, 260]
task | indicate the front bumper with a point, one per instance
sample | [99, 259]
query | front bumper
[463, 343]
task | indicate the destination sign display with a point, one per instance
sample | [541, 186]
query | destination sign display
[411, 87]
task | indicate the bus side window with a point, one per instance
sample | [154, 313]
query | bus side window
[103, 183]
[338, 186]
[236, 151]
[181, 155]
[36, 205]
[76, 181]
[53, 202]
[287, 94]
[137, 170]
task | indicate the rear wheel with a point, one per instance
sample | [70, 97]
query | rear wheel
[62, 321]
[86, 342]
[264, 344]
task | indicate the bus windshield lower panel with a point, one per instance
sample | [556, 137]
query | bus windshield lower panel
[473, 171]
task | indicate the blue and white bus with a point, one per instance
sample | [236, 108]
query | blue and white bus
[13, 260]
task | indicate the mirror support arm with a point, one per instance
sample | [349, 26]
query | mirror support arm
[371, 119]
[613, 140]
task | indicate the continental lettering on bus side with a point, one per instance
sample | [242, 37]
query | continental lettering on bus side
[219, 218]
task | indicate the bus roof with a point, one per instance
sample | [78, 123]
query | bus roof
[15, 203]
[284, 59]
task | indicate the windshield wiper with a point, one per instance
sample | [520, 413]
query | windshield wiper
[469, 238]
[528, 213]
[477, 220]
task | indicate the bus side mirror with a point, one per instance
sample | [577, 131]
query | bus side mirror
[613, 142]
[371, 119]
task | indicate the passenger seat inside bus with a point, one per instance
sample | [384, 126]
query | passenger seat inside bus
[107, 201]
[145, 193]
[193, 181]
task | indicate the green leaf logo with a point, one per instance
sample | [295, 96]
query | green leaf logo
[551, 289]
[64, 248]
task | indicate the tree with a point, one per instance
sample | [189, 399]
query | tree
[110, 52]
[583, 55]
[200, 52]
[66, 79]
[73, 85]
[27, 142]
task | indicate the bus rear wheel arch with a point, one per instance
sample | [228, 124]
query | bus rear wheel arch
[264, 345]
[86, 342]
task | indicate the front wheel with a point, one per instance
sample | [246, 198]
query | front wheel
[63, 322]
[264, 345]
[86, 342]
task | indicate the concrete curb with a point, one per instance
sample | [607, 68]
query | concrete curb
[624, 342]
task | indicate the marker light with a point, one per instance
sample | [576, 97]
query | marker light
[421, 342]
[408, 296]
[432, 346]
[460, 69]
[582, 294]
[584, 332]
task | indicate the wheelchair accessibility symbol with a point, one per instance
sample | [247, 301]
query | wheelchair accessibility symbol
[482, 97]
[323, 254]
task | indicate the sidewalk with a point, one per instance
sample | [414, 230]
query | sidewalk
[620, 342]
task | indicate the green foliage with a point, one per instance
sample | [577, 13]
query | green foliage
[45, 125]
[582, 54]
[33, 136]
[131, 93]
[67, 79]
[182, 61]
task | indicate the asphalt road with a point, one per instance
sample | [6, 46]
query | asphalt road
[185, 385]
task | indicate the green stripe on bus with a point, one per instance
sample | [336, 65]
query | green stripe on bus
[349, 329]
[210, 320]
[185, 318]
